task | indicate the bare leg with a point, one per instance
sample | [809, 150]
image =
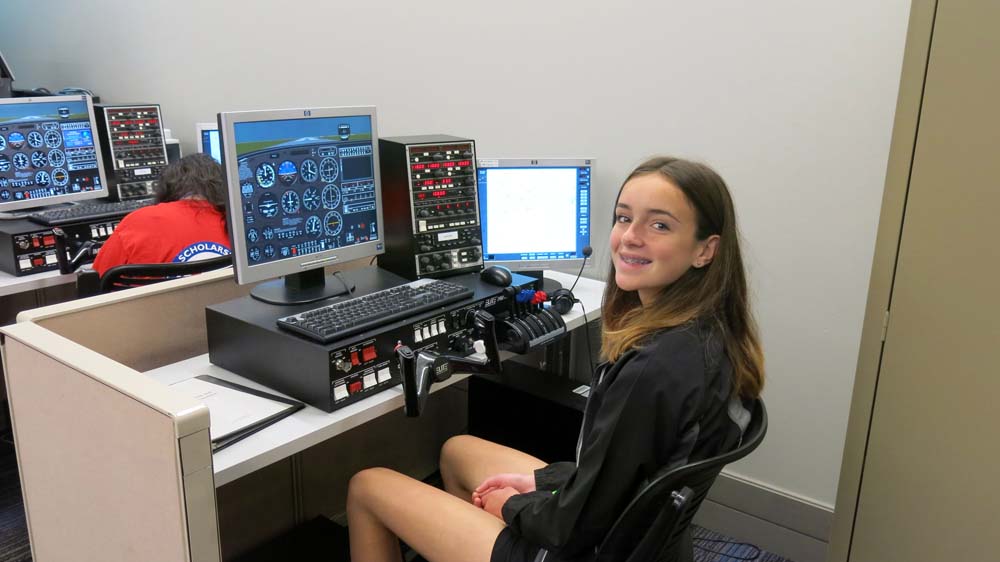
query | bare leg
[466, 461]
[383, 504]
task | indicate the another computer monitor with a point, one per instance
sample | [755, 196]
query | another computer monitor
[535, 212]
[303, 194]
[208, 140]
[48, 152]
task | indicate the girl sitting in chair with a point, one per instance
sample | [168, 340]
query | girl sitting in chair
[683, 363]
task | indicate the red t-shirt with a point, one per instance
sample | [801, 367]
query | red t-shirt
[177, 231]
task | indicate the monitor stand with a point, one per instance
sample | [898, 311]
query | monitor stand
[542, 283]
[301, 288]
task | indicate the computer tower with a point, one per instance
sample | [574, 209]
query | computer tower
[430, 206]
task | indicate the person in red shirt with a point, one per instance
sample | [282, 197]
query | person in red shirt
[187, 222]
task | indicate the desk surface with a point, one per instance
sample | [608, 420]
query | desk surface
[311, 426]
[11, 284]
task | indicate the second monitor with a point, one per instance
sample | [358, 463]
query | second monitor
[208, 140]
[535, 213]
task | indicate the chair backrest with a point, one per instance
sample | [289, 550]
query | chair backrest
[140, 274]
[653, 524]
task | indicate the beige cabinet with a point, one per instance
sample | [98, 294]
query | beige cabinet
[919, 480]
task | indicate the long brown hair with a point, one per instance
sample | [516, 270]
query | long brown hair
[716, 292]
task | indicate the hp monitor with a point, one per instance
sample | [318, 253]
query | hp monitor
[49, 152]
[535, 213]
[303, 194]
[208, 140]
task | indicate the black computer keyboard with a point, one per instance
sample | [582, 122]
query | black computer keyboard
[338, 320]
[87, 212]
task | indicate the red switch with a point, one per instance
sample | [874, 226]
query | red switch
[354, 359]
[354, 387]
[368, 353]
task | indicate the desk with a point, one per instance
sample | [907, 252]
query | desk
[311, 426]
[116, 465]
[11, 284]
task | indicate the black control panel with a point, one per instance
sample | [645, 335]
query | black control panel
[243, 338]
[27, 247]
[133, 148]
[430, 206]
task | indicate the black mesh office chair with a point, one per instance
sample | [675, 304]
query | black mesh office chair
[656, 524]
[140, 274]
[89, 283]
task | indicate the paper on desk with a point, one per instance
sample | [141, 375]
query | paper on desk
[230, 410]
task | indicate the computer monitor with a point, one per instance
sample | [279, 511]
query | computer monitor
[208, 140]
[535, 213]
[48, 152]
[303, 194]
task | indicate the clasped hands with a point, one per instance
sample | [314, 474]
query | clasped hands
[497, 489]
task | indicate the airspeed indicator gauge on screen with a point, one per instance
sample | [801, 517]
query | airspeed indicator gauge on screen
[265, 175]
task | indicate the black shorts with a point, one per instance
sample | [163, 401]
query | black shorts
[512, 548]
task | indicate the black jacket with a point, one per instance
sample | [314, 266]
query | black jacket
[663, 404]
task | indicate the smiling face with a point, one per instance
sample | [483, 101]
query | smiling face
[653, 241]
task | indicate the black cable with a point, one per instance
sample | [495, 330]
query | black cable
[756, 549]
[344, 283]
[586, 254]
[578, 274]
[373, 260]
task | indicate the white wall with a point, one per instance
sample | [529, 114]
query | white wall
[791, 100]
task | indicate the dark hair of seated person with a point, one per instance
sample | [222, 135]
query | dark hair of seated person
[195, 176]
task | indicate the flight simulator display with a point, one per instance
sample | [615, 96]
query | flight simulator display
[48, 152]
[303, 189]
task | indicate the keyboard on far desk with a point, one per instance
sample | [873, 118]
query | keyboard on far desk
[348, 317]
[87, 212]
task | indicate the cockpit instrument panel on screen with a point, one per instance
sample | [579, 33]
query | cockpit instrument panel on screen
[47, 151]
[305, 190]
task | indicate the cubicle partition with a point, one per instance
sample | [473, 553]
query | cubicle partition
[114, 465]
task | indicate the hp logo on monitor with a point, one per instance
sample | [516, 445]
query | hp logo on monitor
[306, 113]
